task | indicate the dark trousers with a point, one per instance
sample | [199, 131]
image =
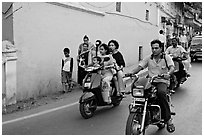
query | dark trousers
[162, 44]
[181, 73]
[162, 100]
[81, 75]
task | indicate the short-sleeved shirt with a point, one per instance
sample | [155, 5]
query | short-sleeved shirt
[119, 58]
[157, 68]
[68, 64]
[162, 38]
[183, 38]
[176, 52]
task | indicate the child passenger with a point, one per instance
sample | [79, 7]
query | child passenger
[96, 61]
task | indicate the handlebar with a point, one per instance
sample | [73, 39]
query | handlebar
[161, 76]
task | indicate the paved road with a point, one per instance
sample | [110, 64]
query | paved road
[65, 119]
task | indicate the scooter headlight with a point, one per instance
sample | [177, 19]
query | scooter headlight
[87, 85]
[138, 91]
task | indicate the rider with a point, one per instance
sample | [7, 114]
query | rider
[113, 46]
[156, 66]
[178, 51]
[107, 73]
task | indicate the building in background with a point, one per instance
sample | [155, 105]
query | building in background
[41, 30]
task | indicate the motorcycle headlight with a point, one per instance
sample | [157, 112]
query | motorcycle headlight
[138, 91]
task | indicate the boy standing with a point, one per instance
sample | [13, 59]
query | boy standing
[66, 70]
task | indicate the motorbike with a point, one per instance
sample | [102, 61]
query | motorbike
[144, 109]
[92, 93]
[179, 72]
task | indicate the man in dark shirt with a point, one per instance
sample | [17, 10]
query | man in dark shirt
[113, 46]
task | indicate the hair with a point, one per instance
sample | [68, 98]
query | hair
[175, 39]
[99, 41]
[161, 31]
[86, 37]
[66, 50]
[98, 58]
[115, 43]
[156, 41]
[105, 47]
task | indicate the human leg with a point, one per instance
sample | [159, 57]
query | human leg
[165, 108]
[116, 83]
[106, 88]
[162, 98]
[120, 82]
[64, 81]
[69, 79]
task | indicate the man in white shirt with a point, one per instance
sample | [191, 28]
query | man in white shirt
[183, 40]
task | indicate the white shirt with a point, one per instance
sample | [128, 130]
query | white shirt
[67, 61]
[162, 38]
[175, 52]
[183, 39]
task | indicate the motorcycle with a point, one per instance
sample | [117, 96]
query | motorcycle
[144, 109]
[92, 93]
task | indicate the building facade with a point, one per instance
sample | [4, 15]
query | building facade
[42, 29]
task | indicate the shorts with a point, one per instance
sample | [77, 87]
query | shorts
[66, 76]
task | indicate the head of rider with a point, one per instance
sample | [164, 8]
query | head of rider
[174, 42]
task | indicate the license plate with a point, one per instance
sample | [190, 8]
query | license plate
[140, 99]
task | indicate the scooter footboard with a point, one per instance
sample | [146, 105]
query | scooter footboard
[86, 96]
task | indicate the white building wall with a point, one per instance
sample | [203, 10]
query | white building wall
[42, 30]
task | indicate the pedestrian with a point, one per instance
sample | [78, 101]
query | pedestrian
[183, 40]
[162, 38]
[66, 71]
[157, 65]
[98, 43]
[82, 63]
[168, 41]
[114, 46]
[86, 51]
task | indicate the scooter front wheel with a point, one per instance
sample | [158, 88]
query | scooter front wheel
[87, 109]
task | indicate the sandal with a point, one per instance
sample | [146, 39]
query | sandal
[170, 127]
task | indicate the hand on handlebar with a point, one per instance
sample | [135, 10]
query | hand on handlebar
[131, 75]
[165, 76]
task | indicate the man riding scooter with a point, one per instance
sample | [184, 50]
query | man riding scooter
[178, 54]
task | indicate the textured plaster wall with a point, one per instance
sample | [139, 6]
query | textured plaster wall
[42, 30]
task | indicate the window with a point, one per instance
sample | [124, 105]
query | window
[140, 52]
[147, 15]
[118, 6]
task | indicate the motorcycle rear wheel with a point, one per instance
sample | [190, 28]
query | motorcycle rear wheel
[133, 124]
[87, 109]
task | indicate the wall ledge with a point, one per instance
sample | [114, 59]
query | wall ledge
[83, 9]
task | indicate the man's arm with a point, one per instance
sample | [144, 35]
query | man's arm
[137, 70]
[171, 70]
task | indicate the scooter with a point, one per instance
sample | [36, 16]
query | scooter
[92, 93]
[180, 73]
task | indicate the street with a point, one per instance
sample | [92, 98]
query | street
[108, 120]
